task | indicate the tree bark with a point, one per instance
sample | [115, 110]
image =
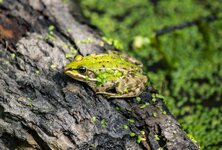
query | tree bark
[42, 108]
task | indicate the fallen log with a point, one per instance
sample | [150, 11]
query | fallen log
[42, 108]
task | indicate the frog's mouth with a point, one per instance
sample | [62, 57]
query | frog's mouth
[84, 77]
[70, 69]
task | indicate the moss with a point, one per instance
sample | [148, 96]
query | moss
[103, 123]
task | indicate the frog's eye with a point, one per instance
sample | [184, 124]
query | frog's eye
[82, 69]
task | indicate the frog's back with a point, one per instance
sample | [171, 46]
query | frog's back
[108, 61]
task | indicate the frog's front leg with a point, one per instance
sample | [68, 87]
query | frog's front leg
[107, 89]
[120, 89]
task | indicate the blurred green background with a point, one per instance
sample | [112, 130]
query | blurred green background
[184, 65]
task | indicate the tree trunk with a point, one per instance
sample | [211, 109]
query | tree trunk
[42, 108]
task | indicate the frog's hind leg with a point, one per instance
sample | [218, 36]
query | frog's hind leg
[130, 86]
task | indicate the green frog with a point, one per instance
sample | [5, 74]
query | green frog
[112, 74]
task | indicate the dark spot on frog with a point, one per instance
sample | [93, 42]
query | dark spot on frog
[103, 66]
[112, 90]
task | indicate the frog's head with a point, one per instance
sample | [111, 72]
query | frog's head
[79, 70]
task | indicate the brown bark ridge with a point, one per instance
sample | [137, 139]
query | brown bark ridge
[42, 108]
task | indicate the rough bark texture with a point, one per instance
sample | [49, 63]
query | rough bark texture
[42, 108]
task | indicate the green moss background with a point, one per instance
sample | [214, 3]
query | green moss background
[184, 65]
